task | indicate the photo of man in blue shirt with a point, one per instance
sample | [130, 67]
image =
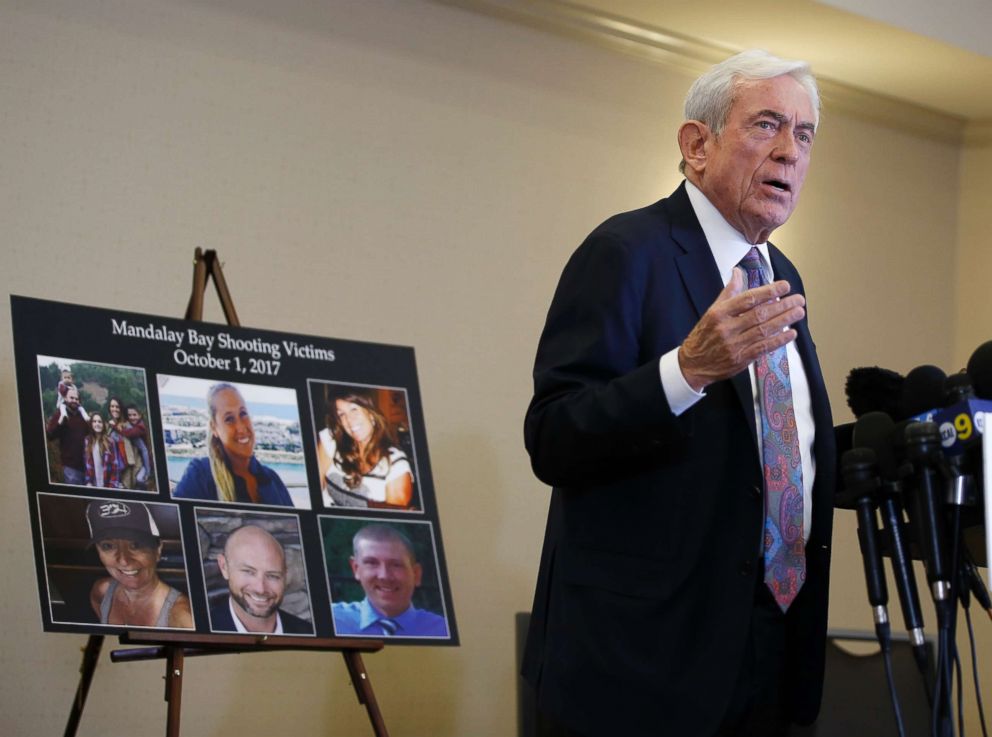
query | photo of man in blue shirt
[383, 561]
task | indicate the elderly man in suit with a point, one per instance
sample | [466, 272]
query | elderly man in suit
[680, 414]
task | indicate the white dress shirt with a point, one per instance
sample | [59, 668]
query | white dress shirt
[729, 247]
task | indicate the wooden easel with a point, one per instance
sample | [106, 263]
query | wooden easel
[175, 647]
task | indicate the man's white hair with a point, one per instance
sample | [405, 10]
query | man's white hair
[711, 96]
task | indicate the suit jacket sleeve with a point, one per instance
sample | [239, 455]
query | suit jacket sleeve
[598, 402]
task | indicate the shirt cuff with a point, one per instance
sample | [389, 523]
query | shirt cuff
[679, 394]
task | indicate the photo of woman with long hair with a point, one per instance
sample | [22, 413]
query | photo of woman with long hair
[359, 461]
[100, 455]
[231, 472]
[128, 459]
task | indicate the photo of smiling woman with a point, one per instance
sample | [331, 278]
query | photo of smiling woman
[358, 456]
[129, 545]
[100, 455]
[231, 472]
[128, 459]
[112, 562]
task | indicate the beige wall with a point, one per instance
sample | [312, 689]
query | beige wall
[974, 265]
[399, 172]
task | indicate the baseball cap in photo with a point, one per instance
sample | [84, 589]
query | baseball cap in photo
[111, 518]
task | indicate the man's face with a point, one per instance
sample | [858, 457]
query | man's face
[754, 170]
[72, 400]
[255, 570]
[387, 573]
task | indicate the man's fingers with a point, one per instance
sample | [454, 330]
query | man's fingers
[771, 316]
[767, 345]
[751, 298]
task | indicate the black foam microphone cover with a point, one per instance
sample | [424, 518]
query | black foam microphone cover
[980, 370]
[874, 430]
[923, 390]
[957, 388]
[874, 389]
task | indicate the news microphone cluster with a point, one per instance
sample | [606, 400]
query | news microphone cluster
[915, 459]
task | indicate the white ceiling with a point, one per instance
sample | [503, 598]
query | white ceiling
[966, 24]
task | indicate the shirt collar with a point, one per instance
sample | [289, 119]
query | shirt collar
[726, 242]
[370, 615]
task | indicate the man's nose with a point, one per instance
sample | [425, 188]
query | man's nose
[786, 148]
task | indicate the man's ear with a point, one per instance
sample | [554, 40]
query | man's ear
[693, 136]
[222, 564]
[418, 575]
[354, 567]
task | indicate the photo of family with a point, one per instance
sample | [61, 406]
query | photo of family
[383, 578]
[95, 424]
[114, 562]
[232, 442]
[254, 572]
[365, 452]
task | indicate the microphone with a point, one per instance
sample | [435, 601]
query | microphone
[960, 417]
[922, 446]
[980, 370]
[860, 485]
[973, 581]
[875, 430]
[922, 391]
[874, 389]
[957, 388]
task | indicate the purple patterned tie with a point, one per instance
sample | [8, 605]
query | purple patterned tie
[785, 552]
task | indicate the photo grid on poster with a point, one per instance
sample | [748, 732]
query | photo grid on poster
[214, 479]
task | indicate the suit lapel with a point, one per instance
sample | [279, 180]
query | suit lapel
[702, 281]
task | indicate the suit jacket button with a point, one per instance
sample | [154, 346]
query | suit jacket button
[746, 567]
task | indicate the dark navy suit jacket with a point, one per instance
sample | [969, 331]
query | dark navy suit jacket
[648, 572]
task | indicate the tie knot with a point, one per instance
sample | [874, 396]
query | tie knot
[751, 263]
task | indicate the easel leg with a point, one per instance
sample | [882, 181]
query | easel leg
[173, 689]
[91, 654]
[363, 689]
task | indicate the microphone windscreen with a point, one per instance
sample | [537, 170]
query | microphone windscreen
[874, 389]
[874, 430]
[980, 370]
[957, 388]
[923, 390]
[860, 477]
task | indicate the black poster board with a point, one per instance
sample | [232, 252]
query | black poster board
[166, 406]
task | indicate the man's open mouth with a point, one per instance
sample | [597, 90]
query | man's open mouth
[779, 185]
